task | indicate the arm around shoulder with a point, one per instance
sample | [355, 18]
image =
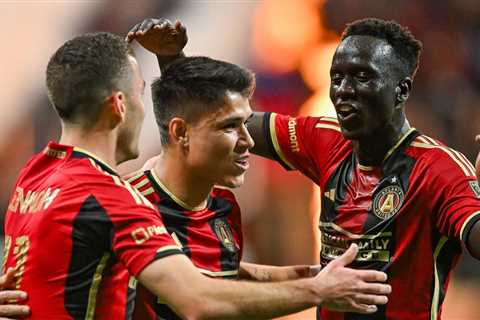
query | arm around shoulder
[257, 128]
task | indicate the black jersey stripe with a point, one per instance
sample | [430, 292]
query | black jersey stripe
[91, 247]
[229, 258]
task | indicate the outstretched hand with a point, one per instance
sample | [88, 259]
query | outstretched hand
[350, 290]
[159, 36]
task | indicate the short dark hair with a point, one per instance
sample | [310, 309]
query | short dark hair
[400, 38]
[84, 71]
[192, 86]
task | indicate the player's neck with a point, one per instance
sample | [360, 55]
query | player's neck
[99, 143]
[178, 179]
[375, 149]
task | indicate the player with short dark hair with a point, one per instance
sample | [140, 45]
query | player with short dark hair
[409, 201]
[76, 233]
[202, 110]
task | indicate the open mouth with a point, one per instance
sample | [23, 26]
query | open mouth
[346, 112]
[242, 163]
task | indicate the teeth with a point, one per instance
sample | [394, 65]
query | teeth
[345, 109]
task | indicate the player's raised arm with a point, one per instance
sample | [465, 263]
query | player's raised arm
[160, 37]
[199, 297]
[256, 128]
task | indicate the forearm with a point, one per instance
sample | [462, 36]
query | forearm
[194, 296]
[473, 242]
[247, 300]
[266, 273]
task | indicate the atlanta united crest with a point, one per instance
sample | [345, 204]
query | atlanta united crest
[224, 234]
[388, 201]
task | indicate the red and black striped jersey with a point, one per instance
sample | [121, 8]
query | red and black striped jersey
[75, 232]
[408, 216]
[211, 237]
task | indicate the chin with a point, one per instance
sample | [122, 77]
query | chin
[125, 155]
[232, 182]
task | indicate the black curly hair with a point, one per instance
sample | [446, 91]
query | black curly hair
[400, 38]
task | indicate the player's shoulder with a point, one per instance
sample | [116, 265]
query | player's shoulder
[142, 181]
[440, 158]
[318, 122]
[105, 184]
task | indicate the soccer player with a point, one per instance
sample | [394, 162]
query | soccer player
[410, 202]
[76, 233]
[202, 109]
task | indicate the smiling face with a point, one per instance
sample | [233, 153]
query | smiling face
[363, 88]
[219, 143]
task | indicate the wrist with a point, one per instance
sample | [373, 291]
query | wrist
[163, 61]
[316, 293]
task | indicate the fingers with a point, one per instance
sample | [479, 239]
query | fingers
[375, 288]
[370, 299]
[371, 275]
[363, 308]
[6, 295]
[143, 27]
[477, 138]
[131, 32]
[347, 257]
[8, 310]
[8, 279]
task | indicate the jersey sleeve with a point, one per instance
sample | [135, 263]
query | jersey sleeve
[303, 143]
[139, 235]
[457, 194]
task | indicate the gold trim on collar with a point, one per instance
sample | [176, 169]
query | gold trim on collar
[365, 168]
[94, 157]
[174, 197]
[399, 142]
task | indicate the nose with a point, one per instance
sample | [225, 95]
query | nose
[344, 89]
[246, 140]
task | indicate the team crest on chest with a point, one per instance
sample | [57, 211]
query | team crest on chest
[388, 201]
[475, 188]
[224, 234]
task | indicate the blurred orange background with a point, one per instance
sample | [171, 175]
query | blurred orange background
[289, 44]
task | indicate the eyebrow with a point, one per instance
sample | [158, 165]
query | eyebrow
[234, 119]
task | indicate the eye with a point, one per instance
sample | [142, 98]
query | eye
[229, 126]
[363, 76]
[336, 78]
